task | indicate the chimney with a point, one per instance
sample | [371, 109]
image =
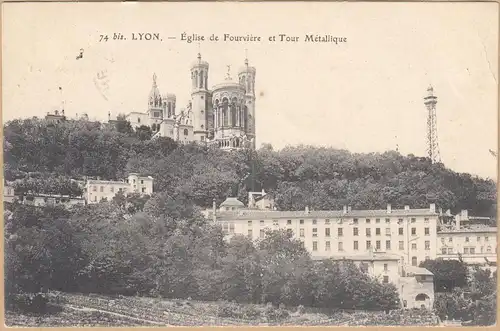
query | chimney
[389, 209]
[344, 211]
[432, 207]
[307, 210]
[407, 207]
[458, 220]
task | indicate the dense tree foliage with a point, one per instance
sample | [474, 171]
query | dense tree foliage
[168, 249]
[321, 178]
[448, 274]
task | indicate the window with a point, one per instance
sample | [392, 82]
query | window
[94, 188]
[261, 222]
[377, 244]
[413, 231]
[368, 244]
[377, 231]
[442, 240]
[466, 239]
[426, 220]
[250, 233]
[302, 232]
[486, 239]
[262, 233]
[275, 223]
[414, 261]
[156, 114]
[388, 244]
[340, 232]
[450, 250]
[427, 257]
[478, 239]
[315, 245]
[327, 222]
[143, 190]
[327, 232]
[355, 221]
[386, 279]
[377, 220]
[289, 222]
[368, 232]
[472, 250]
[327, 246]
[231, 228]
[102, 188]
[488, 249]
[400, 221]
[427, 245]
[387, 231]
[450, 239]
[386, 267]
[367, 221]
[301, 221]
[133, 181]
[95, 198]
[401, 245]
[142, 181]
[112, 189]
[414, 246]
[387, 220]
[341, 246]
[314, 222]
[355, 231]
[356, 245]
[413, 220]
[443, 250]
[138, 120]
[426, 231]
[466, 250]
[315, 232]
[400, 231]
[249, 223]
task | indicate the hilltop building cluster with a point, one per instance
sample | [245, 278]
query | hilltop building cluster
[222, 116]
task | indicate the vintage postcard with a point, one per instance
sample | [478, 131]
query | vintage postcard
[250, 164]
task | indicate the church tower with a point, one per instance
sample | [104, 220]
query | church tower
[200, 100]
[246, 76]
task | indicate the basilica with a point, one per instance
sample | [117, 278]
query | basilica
[223, 116]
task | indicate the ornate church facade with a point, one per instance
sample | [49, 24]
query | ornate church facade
[223, 116]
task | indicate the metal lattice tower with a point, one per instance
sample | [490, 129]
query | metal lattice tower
[430, 102]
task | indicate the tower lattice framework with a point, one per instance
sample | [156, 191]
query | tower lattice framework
[430, 102]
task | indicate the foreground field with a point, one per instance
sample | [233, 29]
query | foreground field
[96, 310]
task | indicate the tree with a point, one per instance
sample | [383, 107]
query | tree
[448, 274]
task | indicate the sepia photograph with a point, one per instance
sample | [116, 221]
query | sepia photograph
[250, 164]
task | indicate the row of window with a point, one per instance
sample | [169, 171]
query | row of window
[467, 250]
[467, 239]
[340, 221]
[368, 232]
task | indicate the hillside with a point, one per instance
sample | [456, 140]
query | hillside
[321, 178]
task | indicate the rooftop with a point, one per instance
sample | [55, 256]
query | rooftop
[470, 230]
[246, 214]
[232, 202]
[418, 271]
[361, 257]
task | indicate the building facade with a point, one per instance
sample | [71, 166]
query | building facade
[408, 233]
[223, 116]
[105, 190]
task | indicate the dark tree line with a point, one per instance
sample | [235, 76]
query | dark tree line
[321, 178]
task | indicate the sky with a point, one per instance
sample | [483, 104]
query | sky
[364, 95]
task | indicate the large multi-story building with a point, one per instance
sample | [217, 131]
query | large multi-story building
[105, 190]
[223, 116]
[409, 233]
[471, 239]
